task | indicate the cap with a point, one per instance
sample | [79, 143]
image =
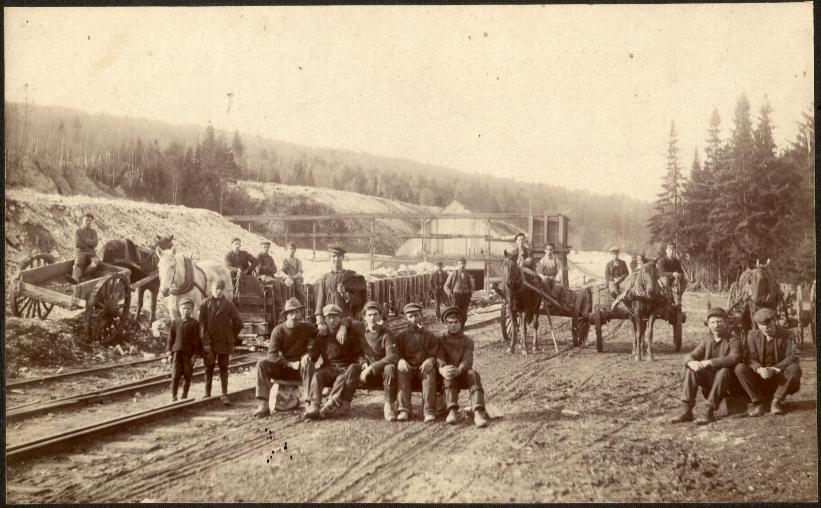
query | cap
[372, 305]
[463, 260]
[450, 310]
[236, 239]
[518, 235]
[612, 248]
[265, 242]
[337, 249]
[763, 315]
[88, 214]
[292, 304]
[185, 300]
[439, 264]
[717, 311]
[331, 309]
[411, 307]
[219, 283]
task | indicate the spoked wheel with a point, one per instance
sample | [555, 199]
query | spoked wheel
[107, 309]
[23, 306]
[597, 322]
[574, 331]
[677, 325]
[507, 322]
[582, 330]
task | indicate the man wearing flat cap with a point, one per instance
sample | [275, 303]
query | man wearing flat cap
[287, 357]
[266, 266]
[85, 245]
[418, 349]
[615, 272]
[455, 359]
[459, 288]
[183, 342]
[337, 287]
[770, 368]
[710, 367]
[378, 355]
[340, 367]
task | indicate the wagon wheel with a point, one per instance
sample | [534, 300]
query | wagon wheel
[677, 325]
[23, 306]
[507, 323]
[583, 330]
[107, 309]
[596, 319]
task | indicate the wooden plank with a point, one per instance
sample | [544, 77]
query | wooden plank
[145, 280]
[395, 216]
[134, 446]
[50, 296]
[44, 273]
[328, 235]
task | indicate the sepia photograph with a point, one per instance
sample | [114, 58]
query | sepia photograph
[410, 254]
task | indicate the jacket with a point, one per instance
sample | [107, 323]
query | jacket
[266, 264]
[290, 344]
[457, 351]
[415, 345]
[459, 281]
[785, 353]
[724, 354]
[514, 255]
[85, 241]
[241, 260]
[326, 293]
[220, 323]
[668, 266]
[333, 353]
[614, 269]
[438, 279]
[184, 335]
[376, 348]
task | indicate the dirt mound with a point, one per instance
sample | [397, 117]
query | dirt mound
[49, 343]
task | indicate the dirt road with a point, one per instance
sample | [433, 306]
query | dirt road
[580, 426]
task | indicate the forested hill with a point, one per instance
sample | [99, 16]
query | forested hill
[193, 165]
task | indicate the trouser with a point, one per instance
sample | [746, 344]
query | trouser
[440, 297]
[426, 373]
[299, 294]
[388, 375]
[462, 302]
[183, 368]
[84, 263]
[467, 380]
[343, 380]
[268, 371]
[222, 361]
[614, 288]
[778, 386]
[713, 384]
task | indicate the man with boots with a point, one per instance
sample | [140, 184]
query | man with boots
[183, 343]
[378, 355]
[287, 357]
[456, 366]
[459, 287]
[710, 366]
[438, 279]
[615, 272]
[331, 289]
[418, 349]
[220, 324]
[85, 255]
[340, 368]
[770, 367]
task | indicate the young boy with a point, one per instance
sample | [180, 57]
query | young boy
[183, 342]
[85, 255]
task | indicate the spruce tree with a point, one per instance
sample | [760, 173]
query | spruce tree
[667, 221]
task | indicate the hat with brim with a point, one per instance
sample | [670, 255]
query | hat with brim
[372, 305]
[89, 215]
[185, 300]
[331, 310]
[411, 307]
[449, 311]
[763, 315]
[265, 242]
[291, 305]
[337, 249]
[718, 312]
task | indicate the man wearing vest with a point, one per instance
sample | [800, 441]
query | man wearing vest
[615, 272]
[459, 288]
[438, 279]
[549, 269]
[770, 368]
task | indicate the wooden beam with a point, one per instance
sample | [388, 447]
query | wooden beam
[400, 216]
[328, 235]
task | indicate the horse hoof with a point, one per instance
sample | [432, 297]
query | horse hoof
[510, 350]
[635, 358]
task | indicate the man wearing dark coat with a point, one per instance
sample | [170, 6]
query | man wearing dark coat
[85, 254]
[378, 355]
[220, 324]
[266, 266]
[418, 349]
[615, 272]
[238, 259]
[770, 368]
[671, 273]
[520, 251]
[183, 343]
[438, 279]
[332, 288]
[459, 288]
[710, 367]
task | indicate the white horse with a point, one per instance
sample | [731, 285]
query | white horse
[173, 277]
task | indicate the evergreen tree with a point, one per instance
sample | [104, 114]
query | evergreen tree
[667, 221]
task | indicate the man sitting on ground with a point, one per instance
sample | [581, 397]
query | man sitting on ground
[418, 349]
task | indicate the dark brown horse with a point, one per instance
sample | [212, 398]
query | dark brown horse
[755, 288]
[644, 302]
[142, 262]
[523, 302]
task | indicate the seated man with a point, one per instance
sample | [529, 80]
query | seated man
[85, 255]
[770, 368]
[418, 349]
[455, 361]
[671, 274]
[340, 368]
[287, 357]
[239, 260]
[520, 251]
[378, 355]
[548, 269]
[710, 366]
[266, 267]
[615, 272]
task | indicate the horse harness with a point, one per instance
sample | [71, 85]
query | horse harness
[189, 281]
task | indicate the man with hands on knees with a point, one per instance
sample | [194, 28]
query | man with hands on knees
[418, 349]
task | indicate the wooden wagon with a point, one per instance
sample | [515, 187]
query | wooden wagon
[105, 295]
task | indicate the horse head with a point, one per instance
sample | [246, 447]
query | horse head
[164, 242]
[648, 279]
[762, 285]
[512, 274]
[167, 268]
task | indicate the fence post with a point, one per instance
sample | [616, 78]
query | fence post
[373, 245]
[313, 240]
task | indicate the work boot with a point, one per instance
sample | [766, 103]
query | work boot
[225, 401]
[328, 408]
[686, 416]
[312, 413]
[480, 417]
[389, 412]
[404, 415]
[453, 416]
[430, 418]
[173, 398]
[776, 408]
[262, 409]
[756, 410]
[707, 417]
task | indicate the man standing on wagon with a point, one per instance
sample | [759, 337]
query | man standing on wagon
[459, 287]
[85, 253]
[220, 324]
[615, 272]
[331, 289]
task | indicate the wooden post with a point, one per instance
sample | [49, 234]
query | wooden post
[373, 243]
[313, 240]
[487, 254]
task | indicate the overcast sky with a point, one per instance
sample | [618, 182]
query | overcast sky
[579, 96]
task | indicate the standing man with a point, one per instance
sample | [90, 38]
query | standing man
[418, 349]
[615, 272]
[85, 245]
[459, 287]
[378, 356]
[220, 325]
[183, 343]
[266, 267]
[440, 276]
[520, 251]
[770, 368]
[548, 269]
[287, 357]
[292, 267]
[331, 289]
[455, 361]
[671, 274]
[238, 259]
[710, 367]
[340, 368]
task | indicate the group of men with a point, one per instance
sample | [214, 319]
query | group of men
[670, 272]
[264, 266]
[368, 354]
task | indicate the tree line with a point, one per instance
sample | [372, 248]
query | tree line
[747, 202]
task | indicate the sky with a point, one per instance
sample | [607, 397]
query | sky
[579, 96]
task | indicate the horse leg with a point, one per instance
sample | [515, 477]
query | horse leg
[515, 335]
[523, 326]
[635, 320]
[140, 295]
[650, 322]
[535, 322]
[154, 304]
